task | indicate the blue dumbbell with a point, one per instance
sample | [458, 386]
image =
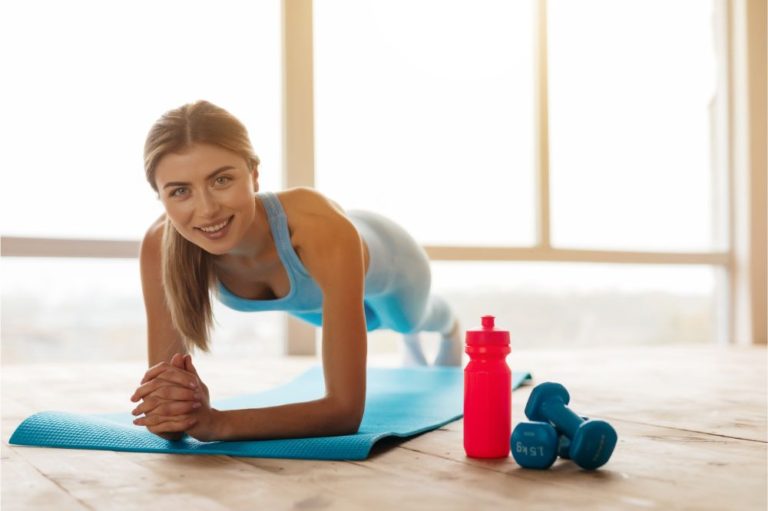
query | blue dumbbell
[534, 444]
[591, 441]
[563, 444]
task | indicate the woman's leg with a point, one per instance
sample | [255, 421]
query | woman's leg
[398, 289]
[440, 318]
[403, 312]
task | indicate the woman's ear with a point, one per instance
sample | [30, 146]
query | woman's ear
[255, 177]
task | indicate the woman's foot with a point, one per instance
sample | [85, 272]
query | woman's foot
[451, 347]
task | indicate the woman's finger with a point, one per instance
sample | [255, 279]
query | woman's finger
[177, 362]
[155, 370]
[171, 425]
[172, 392]
[166, 408]
[171, 373]
[166, 390]
[183, 380]
[189, 366]
[154, 420]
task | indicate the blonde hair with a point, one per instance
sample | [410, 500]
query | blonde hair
[187, 269]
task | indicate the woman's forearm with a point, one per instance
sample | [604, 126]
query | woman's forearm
[321, 417]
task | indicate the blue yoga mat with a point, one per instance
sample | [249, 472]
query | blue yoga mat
[400, 402]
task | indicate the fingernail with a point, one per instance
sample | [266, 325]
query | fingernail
[196, 405]
[198, 395]
[193, 385]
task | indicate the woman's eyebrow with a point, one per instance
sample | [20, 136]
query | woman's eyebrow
[209, 176]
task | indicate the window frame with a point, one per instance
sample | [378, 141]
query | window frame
[739, 157]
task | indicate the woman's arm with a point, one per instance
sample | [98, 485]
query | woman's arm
[163, 340]
[331, 250]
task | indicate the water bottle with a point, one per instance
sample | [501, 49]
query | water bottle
[487, 392]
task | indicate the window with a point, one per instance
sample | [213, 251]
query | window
[424, 114]
[80, 310]
[86, 80]
[556, 158]
[632, 92]
[427, 112]
[83, 82]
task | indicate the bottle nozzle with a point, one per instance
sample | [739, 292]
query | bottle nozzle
[487, 335]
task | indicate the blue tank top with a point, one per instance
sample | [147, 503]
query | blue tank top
[305, 298]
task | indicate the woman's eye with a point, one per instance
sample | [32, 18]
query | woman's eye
[175, 193]
[223, 179]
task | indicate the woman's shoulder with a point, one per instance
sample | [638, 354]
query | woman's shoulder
[149, 250]
[304, 199]
[155, 231]
[321, 234]
[313, 216]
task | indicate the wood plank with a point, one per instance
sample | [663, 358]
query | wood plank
[691, 422]
[429, 469]
[25, 487]
[106, 479]
[651, 467]
[136, 480]
[700, 388]
[417, 480]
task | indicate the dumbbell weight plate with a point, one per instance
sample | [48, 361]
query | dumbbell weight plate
[534, 445]
[563, 444]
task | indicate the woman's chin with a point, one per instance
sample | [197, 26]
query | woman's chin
[214, 248]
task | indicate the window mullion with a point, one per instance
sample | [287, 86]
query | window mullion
[541, 127]
[298, 130]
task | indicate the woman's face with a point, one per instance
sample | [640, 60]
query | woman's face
[208, 195]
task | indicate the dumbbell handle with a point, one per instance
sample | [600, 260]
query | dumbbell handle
[561, 416]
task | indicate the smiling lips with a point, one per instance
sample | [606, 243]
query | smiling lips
[215, 228]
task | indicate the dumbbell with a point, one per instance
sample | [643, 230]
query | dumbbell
[591, 441]
[534, 444]
[563, 444]
[538, 444]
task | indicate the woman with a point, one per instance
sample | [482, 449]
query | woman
[349, 272]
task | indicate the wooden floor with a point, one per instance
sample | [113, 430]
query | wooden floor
[691, 424]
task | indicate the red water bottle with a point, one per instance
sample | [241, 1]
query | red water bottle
[487, 392]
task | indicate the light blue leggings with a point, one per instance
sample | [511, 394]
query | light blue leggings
[397, 284]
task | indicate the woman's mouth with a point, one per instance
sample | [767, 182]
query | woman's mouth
[216, 231]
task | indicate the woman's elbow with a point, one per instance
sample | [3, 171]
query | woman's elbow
[354, 423]
[348, 419]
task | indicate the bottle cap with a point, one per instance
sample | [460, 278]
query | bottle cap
[487, 335]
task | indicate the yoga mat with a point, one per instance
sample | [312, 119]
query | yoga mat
[400, 402]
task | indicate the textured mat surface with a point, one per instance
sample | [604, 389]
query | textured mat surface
[400, 402]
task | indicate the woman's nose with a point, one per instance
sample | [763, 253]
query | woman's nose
[207, 204]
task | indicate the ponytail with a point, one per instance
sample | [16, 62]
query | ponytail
[188, 277]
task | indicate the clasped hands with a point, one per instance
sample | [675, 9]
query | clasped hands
[175, 401]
